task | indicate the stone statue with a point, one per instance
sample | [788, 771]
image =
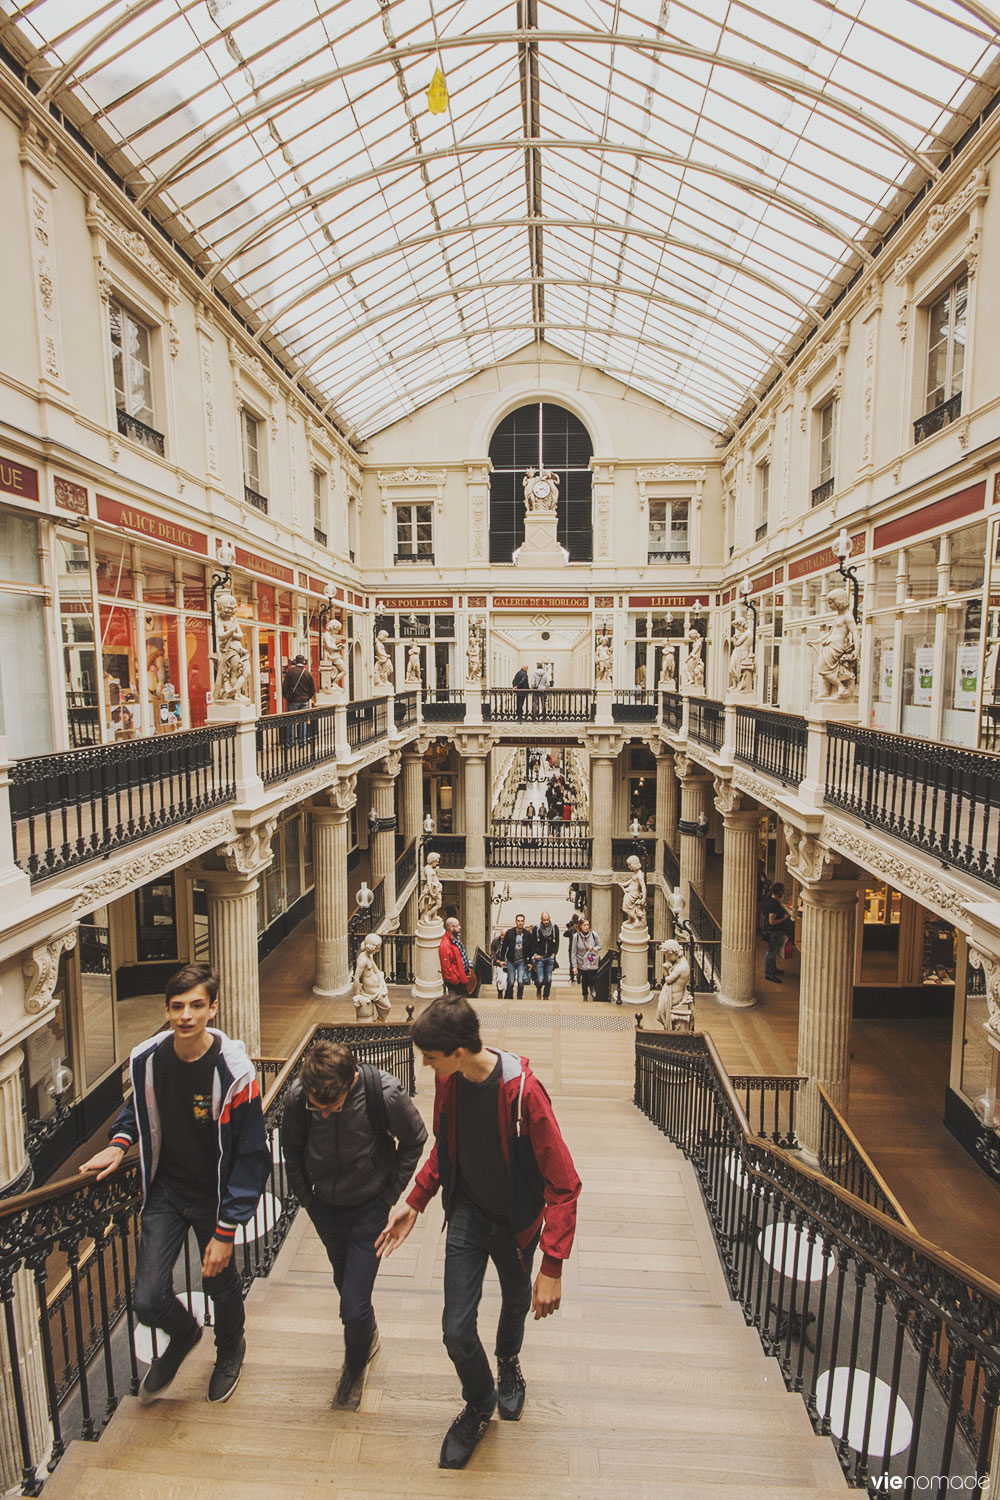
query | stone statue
[429, 905]
[640, 676]
[474, 653]
[383, 664]
[634, 894]
[676, 1003]
[371, 993]
[693, 670]
[603, 659]
[836, 649]
[329, 642]
[668, 681]
[413, 677]
[742, 661]
[232, 677]
[541, 491]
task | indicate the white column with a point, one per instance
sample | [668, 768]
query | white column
[330, 822]
[383, 850]
[602, 781]
[695, 785]
[413, 796]
[474, 776]
[232, 941]
[739, 904]
[826, 994]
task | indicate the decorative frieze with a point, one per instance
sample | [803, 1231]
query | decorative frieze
[940, 218]
[173, 851]
[133, 248]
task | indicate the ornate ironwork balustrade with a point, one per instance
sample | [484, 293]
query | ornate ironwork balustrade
[633, 706]
[139, 432]
[707, 722]
[822, 493]
[79, 805]
[444, 705]
[774, 743]
[405, 710]
[406, 865]
[450, 846]
[292, 742]
[845, 1160]
[254, 498]
[539, 705]
[395, 958]
[937, 420]
[366, 722]
[560, 846]
[672, 710]
[858, 1311]
[937, 798]
[671, 867]
[621, 849]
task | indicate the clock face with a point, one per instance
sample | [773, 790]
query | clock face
[540, 488]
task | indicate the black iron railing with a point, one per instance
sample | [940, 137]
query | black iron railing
[406, 866]
[252, 497]
[550, 850]
[365, 919]
[84, 719]
[540, 827]
[840, 1295]
[450, 846]
[761, 532]
[413, 557]
[707, 967]
[768, 1100]
[642, 844]
[938, 798]
[366, 722]
[845, 1160]
[444, 705]
[671, 710]
[405, 710]
[292, 742]
[139, 432]
[671, 867]
[633, 706]
[550, 705]
[935, 421]
[319, 536]
[83, 804]
[822, 493]
[659, 556]
[395, 957]
[707, 722]
[772, 742]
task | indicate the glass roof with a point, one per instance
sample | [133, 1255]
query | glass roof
[669, 191]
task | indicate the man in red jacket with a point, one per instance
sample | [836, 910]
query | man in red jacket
[455, 967]
[508, 1181]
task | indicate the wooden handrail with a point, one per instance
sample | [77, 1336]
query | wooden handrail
[870, 1166]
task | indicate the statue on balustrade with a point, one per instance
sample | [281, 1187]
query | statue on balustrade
[693, 670]
[742, 661]
[413, 678]
[668, 672]
[232, 677]
[371, 993]
[603, 658]
[332, 656]
[474, 653]
[429, 905]
[634, 894]
[836, 650]
[676, 1003]
[541, 491]
[383, 663]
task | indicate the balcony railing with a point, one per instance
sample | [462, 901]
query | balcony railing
[937, 798]
[671, 868]
[259, 502]
[708, 944]
[843, 1159]
[935, 421]
[83, 804]
[450, 846]
[366, 722]
[822, 492]
[365, 919]
[395, 957]
[761, 532]
[622, 849]
[551, 849]
[444, 705]
[292, 742]
[535, 705]
[633, 706]
[772, 742]
[672, 710]
[413, 557]
[406, 865]
[405, 710]
[707, 722]
[139, 432]
[319, 535]
[660, 556]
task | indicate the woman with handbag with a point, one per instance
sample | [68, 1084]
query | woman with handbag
[584, 956]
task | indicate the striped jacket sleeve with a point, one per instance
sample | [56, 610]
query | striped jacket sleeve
[247, 1162]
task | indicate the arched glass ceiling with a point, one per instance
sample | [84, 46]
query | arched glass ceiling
[669, 191]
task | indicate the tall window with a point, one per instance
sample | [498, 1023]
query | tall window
[414, 532]
[668, 531]
[946, 345]
[251, 449]
[763, 497]
[319, 507]
[131, 361]
[827, 419]
[541, 436]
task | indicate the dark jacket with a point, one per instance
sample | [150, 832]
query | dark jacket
[520, 679]
[340, 1160]
[297, 686]
[545, 947]
[542, 1183]
[507, 946]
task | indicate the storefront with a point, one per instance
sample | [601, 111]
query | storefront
[421, 631]
[25, 709]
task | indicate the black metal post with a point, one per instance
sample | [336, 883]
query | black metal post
[219, 581]
[850, 575]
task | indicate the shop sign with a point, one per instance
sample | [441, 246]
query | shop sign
[155, 528]
[824, 559]
[939, 513]
[665, 601]
[70, 496]
[254, 563]
[923, 678]
[417, 601]
[966, 675]
[15, 479]
[541, 601]
[885, 680]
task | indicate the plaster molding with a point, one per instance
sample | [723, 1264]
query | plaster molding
[41, 970]
[176, 849]
[897, 871]
[133, 247]
[989, 965]
[940, 218]
[728, 798]
[249, 853]
[391, 763]
[808, 860]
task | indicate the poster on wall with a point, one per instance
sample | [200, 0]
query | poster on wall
[966, 675]
[923, 676]
[885, 680]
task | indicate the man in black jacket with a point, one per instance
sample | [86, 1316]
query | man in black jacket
[347, 1172]
[516, 952]
[520, 686]
[545, 945]
[298, 691]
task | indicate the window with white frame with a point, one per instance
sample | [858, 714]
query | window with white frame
[826, 427]
[668, 531]
[131, 360]
[319, 506]
[250, 428]
[763, 497]
[414, 533]
[946, 320]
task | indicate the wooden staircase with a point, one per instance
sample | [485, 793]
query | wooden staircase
[647, 1382]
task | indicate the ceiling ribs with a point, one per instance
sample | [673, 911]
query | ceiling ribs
[527, 20]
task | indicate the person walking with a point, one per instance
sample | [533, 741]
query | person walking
[545, 943]
[298, 691]
[517, 950]
[780, 928]
[456, 971]
[584, 956]
[509, 1184]
[351, 1138]
[204, 1159]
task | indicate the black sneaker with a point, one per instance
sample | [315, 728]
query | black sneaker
[227, 1372]
[510, 1390]
[163, 1369]
[351, 1385]
[462, 1437]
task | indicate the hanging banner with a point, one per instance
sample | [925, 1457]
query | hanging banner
[966, 675]
[885, 680]
[923, 677]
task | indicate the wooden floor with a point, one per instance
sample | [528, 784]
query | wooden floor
[646, 1384]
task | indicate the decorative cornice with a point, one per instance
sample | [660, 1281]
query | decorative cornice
[41, 970]
[251, 366]
[940, 217]
[896, 870]
[181, 847]
[761, 791]
[132, 246]
[411, 476]
[667, 473]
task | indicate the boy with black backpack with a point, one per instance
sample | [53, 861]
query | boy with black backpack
[351, 1138]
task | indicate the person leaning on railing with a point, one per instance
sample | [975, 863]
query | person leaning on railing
[195, 1111]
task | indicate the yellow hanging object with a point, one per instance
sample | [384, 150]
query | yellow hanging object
[437, 94]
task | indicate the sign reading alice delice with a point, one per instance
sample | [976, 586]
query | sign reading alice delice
[155, 528]
[17, 480]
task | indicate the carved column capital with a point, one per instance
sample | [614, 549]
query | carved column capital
[728, 798]
[808, 860]
[249, 853]
[989, 966]
[342, 794]
[390, 764]
[40, 968]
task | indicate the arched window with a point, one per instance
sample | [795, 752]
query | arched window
[542, 436]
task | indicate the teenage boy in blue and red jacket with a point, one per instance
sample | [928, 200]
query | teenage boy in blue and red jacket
[195, 1112]
[509, 1184]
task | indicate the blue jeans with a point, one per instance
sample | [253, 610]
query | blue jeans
[165, 1224]
[349, 1236]
[518, 972]
[543, 975]
[777, 938]
[473, 1240]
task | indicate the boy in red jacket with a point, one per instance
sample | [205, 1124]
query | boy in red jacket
[508, 1181]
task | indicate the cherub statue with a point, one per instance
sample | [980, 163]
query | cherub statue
[541, 491]
[331, 632]
[836, 650]
[603, 659]
[634, 894]
[371, 992]
[676, 1001]
[693, 670]
[232, 677]
[742, 662]
[429, 905]
[338, 665]
[413, 665]
[383, 664]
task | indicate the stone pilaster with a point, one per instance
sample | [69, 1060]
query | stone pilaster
[739, 896]
[24, 1305]
[330, 828]
[383, 851]
[666, 804]
[413, 796]
[232, 942]
[474, 761]
[602, 782]
[695, 788]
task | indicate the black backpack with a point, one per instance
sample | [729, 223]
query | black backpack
[378, 1117]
